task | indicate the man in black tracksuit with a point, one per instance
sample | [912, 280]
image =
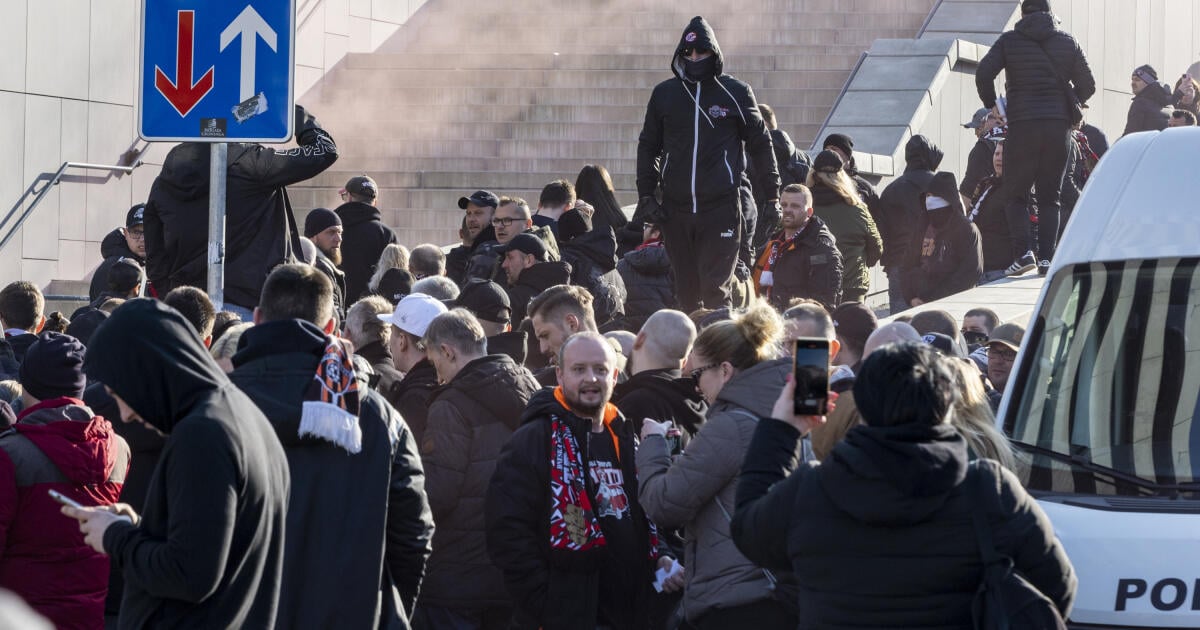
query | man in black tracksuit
[1033, 56]
[699, 127]
[901, 209]
[367, 494]
[207, 548]
[260, 230]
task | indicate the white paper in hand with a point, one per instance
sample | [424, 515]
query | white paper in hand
[662, 575]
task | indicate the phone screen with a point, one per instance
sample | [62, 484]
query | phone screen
[811, 369]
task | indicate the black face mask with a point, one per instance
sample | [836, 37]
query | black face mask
[940, 217]
[700, 70]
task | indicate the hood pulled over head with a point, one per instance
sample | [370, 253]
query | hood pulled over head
[698, 34]
[150, 357]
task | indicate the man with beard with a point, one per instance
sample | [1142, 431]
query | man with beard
[563, 521]
[477, 230]
[801, 260]
[555, 314]
[324, 228]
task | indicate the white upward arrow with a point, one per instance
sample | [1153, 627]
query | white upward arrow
[249, 24]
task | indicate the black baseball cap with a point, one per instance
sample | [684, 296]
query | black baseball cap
[486, 301]
[136, 215]
[945, 346]
[526, 243]
[362, 186]
[480, 198]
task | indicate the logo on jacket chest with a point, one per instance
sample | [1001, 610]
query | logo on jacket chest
[716, 111]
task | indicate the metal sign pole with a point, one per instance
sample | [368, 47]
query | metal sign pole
[216, 224]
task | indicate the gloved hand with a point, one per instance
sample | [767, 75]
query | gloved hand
[649, 211]
[305, 122]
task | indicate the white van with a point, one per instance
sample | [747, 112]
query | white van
[1105, 394]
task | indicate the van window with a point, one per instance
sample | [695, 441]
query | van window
[1106, 394]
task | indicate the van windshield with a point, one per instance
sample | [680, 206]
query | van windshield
[1110, 379]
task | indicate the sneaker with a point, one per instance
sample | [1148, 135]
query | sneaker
[1021, 265]
[1043, 267]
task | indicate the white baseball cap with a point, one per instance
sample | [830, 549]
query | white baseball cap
[414, 312]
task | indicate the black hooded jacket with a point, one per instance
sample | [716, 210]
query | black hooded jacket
[411, 395]
[208, 551]
[697, 133]
[114, 247]
[260, 230]
[373, 499]
[650, 287]
[902, 204]
[880, 535]
[1034, 92]
[952, 261]
[1150, 109]
[663, 395]
[557, 588]
[363, 238]
[593, 259]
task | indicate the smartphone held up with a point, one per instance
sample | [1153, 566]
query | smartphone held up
[811, 374]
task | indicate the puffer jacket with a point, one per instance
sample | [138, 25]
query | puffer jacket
[60, 445]
[1150, 109]
[1034, 92]
[470, 420]
[593, 259]
[694, 132]
[880, 533]
[649, 284]
[902, 204]
[857, 239]
[698, 490]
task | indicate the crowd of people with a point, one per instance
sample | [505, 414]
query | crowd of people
[572, 418]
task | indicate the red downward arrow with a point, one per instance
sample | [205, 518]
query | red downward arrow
[182, 94]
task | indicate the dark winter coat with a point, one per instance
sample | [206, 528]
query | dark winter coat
[979, 166]
[377, 354]
[662, 395]
[955, 263]
[692, 139]
[995, 239]
[512, 344]
[856, 237]
[338, 280]
[1150, 110]
[593, 259]
[411, 396]
[260, 230]
[1034, 92]
[364, 236]
[646, 273]
[470, 420]
[208, 550]
[880, 534]
[372, 502]
[810, 266]
[558, 589]
[113, 248]
[534, 280]
[19, 344]
[902, 204]
[59, 445]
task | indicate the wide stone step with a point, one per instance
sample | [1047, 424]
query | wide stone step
[540, 39]
[790, 58]
[752, 19]
[621, 96]
[399, 82]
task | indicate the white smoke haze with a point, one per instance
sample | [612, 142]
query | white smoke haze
[508, 96]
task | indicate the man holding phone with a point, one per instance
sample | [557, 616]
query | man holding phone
[57, 452]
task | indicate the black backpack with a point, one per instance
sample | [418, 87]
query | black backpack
[1005, 599]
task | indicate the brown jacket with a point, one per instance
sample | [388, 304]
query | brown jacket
[687, 492]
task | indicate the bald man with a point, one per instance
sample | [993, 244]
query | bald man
[657, 388]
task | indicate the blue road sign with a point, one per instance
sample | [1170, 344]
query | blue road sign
[217, 71]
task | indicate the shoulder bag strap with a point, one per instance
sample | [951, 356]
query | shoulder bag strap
[1062, 81]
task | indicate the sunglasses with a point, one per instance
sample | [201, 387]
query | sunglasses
[695, 374]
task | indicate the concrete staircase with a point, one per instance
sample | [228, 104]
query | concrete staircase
[474, 95]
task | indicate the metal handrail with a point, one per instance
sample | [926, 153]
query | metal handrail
[51, 181]
[928, 19]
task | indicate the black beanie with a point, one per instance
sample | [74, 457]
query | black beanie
[1146, 73]
[53, 367]
[395, 284]
[83, 325]
[841, 141]
[828, 162]
[319, 220]
[1033, 6]
[571, 224]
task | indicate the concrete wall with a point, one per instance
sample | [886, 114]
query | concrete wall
[68, 93]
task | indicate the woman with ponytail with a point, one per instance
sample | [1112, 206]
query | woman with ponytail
[837, 202]
[737, 368]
